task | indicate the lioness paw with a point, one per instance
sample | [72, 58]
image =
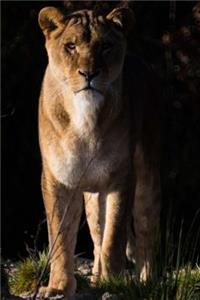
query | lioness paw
[50, 293]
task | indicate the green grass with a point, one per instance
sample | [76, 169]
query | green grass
[27, 272]
[183, 284]
[175, 273]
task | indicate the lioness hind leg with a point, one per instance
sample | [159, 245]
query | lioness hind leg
[62, 207]
[95, 214]
[146, 222]
[113, 252]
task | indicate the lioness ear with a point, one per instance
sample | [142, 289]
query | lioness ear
[122, 17]
[50, 19]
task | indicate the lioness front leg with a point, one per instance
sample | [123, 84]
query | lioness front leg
[113, 250]
[62, 207]
[95, 214]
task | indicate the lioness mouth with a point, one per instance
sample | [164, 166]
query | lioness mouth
[89, 88]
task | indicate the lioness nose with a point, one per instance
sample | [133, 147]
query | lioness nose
[87, 75]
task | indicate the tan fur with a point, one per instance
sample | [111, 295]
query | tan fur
[89, 140]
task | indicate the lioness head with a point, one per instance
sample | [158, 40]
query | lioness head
[86, 51]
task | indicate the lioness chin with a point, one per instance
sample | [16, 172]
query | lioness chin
[99, 137]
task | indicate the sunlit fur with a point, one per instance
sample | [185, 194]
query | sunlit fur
[92, 129]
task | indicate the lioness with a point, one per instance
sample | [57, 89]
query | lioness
[98, 131]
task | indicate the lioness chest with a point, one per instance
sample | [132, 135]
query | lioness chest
[88, 153]
[88, 165]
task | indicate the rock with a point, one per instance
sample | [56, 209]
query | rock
[83, 266]
[108, 296]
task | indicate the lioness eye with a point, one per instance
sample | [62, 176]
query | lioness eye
[70, 46]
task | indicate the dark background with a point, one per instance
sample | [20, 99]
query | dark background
[161, 37]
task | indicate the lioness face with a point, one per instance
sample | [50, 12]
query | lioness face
[85, 51]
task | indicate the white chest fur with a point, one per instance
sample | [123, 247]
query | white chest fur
[75, 162]
[79, 160]
[76, 169]
[86, 106]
